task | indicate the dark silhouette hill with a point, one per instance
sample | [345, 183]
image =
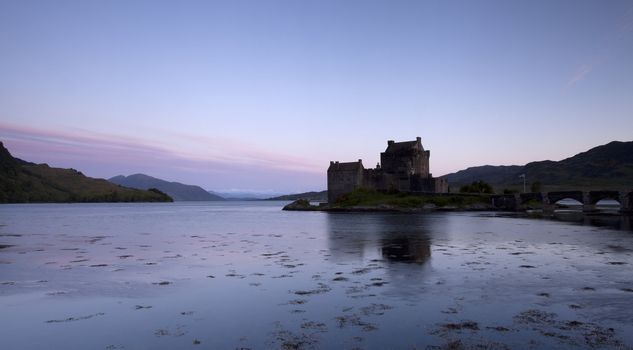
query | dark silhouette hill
[176, 190]
[25, 182]
[311, 196]
[608, 167]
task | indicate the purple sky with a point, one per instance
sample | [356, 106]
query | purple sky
[261, 95]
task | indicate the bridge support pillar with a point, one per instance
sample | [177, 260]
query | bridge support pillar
[587, 205]
[588, 208]
[625, 222]
[626, 202]
[518, 202]
[548, 208]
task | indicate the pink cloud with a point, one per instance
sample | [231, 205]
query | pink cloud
[85, 143]
[626, 22]
[580, 74]
[624, 26]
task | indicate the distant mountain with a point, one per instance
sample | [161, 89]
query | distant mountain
[245, 195]
[24, 182]
[311, 196]
[176, 190]
[607, 167]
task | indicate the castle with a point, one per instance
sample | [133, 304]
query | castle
[404, 166]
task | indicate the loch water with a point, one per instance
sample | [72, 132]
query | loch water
[247, 275]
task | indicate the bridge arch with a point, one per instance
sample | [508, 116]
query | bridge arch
[597, 196]
[554, 197]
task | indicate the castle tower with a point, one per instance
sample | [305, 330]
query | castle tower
[405, 158]
[343, 178]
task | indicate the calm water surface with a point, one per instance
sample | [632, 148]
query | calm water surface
[248, 275]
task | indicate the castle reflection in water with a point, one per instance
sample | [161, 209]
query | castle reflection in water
[399, 238]
[407, 238]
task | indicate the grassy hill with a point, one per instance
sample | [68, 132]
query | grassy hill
[176, 190]
[24, 182]
[608, 167]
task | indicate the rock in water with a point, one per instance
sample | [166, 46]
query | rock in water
[301, 204]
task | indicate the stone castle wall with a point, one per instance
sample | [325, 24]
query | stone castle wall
[343, 178]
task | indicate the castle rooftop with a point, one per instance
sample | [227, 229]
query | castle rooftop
[346, 166]
[403, 146]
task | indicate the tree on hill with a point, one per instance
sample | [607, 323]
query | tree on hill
[476, 187]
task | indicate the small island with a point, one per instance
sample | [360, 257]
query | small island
[402, 181]
[368, 200]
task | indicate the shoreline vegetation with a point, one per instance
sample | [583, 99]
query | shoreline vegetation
[371, 200]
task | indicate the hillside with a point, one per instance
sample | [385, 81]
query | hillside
[311, 196]
[608, 166]
[176, 190]
[24, 182]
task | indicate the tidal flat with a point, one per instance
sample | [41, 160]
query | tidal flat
[247, 275]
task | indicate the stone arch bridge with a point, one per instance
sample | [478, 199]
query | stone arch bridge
[548, 199]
